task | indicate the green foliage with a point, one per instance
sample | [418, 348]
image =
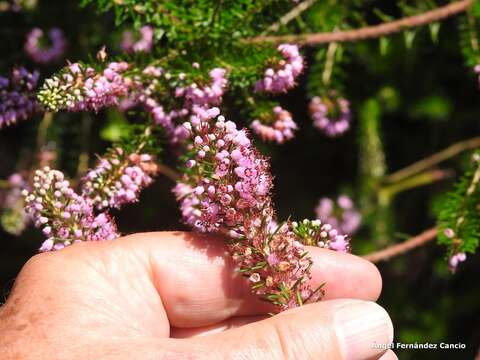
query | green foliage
[186, 21]
[433, 107]
[116, 127]
[330, 15]
[469, 29]
[13, 220]
[459, 212]
[142, 138]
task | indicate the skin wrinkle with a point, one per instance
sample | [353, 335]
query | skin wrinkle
[258, 348]
[155, 279]
[110, 311]
[143, 289]
[232, 291]
[285, 331]
[228, 324]
[182, 301]
[282, 336]
[93, 266]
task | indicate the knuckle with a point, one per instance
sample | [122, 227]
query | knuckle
[36, 263]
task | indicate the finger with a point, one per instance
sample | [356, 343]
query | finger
[345, 275]
[232, 323]
[335, 329]
[199, 285]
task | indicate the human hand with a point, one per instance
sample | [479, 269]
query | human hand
[174, 295]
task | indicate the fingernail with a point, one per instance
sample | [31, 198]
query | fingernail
[363, 329]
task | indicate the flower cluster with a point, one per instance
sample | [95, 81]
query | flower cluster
[130, 44]
[118, 178]
[220, 150]
[331, 114]
[276, 264]
[457, 256]
[206, 95]
[281, 77]
[13, 218]
[40, 53]
[79, 88]
[341, 214]
[455, 260]
[190, 97]
[316, 233]
[17, 96]
[64, 216]
[226, 189]
[278, 128]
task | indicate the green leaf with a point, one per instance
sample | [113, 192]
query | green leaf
[116, 127]
[433, 107]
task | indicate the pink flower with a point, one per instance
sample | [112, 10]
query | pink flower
[79, 88]
[65, 216]
[331, 114]
[45, 55]
[283, 77]
[455, 260]
[118, 178]
[341, 214]
[278, 129]
[130, 44]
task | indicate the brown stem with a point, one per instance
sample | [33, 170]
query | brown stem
[398, 249]
[292, 14]
[329, 62]
[370, 32]
[430, 161]
[84, 157]
[43, 130]
[169, 172]
[425, 178]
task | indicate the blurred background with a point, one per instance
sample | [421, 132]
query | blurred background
[414, 96]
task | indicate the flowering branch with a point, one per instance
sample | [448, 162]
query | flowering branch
[398, 249]
[226, 189]
[458, 222]
[370, 32]
[64, 216]
[430, 161]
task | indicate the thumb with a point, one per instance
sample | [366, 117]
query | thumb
[335, 329]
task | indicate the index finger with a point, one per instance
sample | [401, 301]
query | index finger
[199, 285]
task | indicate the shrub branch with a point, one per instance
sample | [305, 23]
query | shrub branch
[398, 249]
[370, 32]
